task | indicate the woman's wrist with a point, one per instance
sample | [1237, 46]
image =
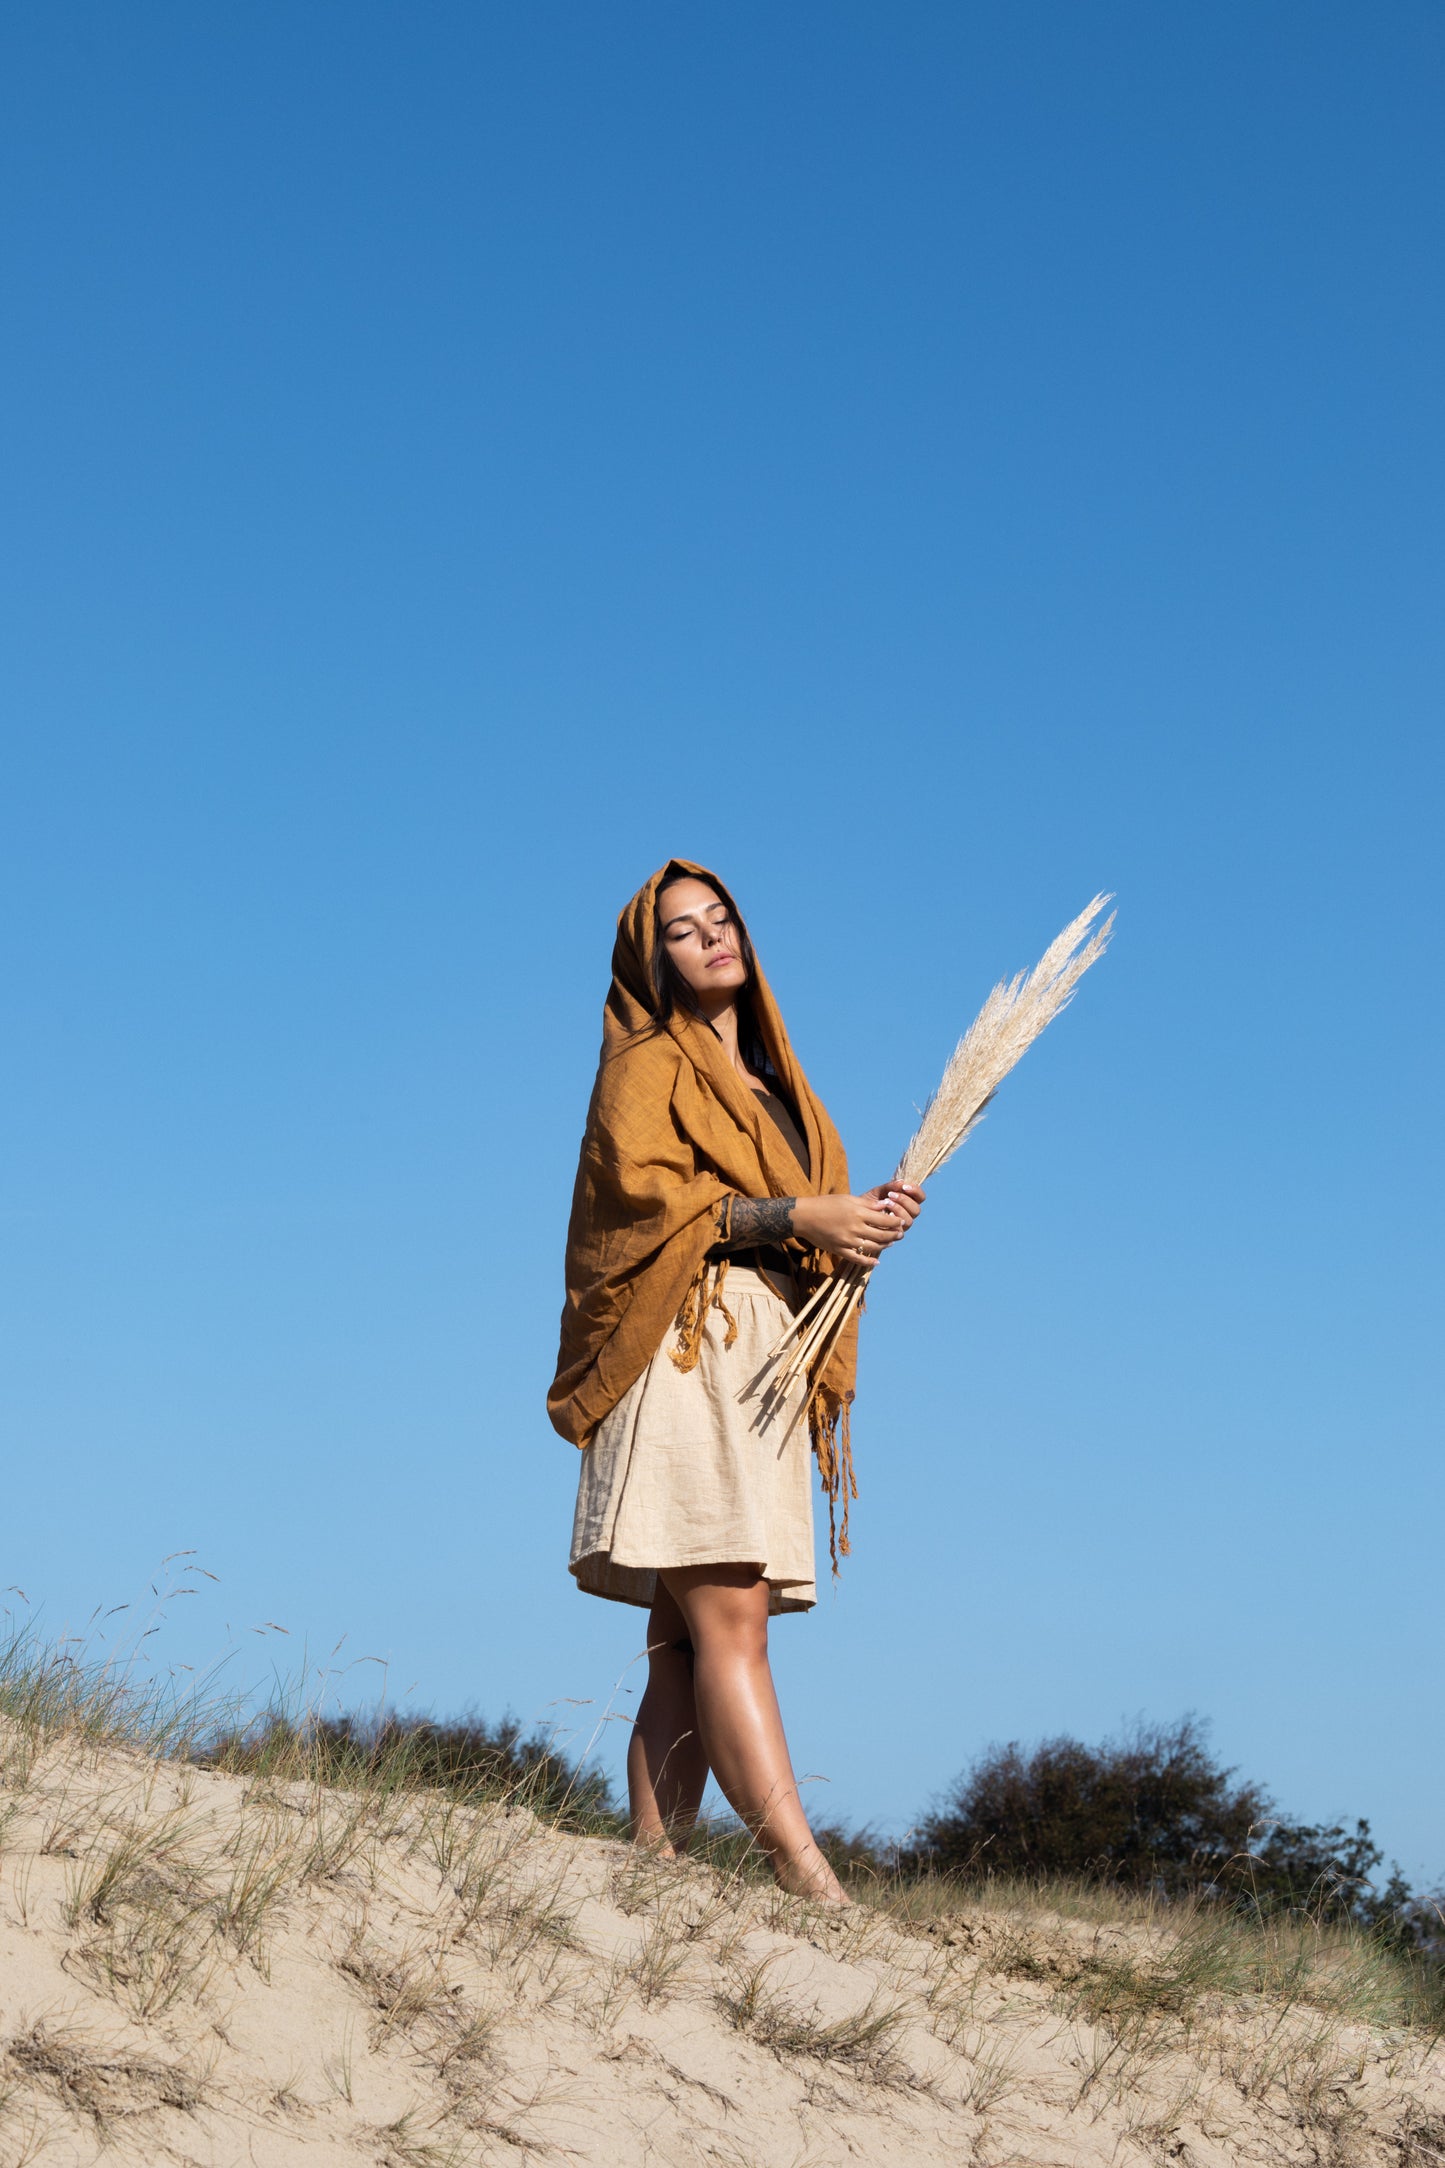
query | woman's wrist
[757, 1221]
[805, 1221]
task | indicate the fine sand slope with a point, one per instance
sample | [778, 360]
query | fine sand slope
[211, 1969]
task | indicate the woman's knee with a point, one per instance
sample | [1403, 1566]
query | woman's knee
[669, 1674]
[737, 1640]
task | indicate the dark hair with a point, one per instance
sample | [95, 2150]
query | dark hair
[671, 992]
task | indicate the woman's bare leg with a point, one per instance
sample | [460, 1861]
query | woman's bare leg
[666, 1765]
[741, 1727]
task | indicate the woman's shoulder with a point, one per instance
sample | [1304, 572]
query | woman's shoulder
[644, 1061]
[635, 1087]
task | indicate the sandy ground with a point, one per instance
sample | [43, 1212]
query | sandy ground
[198, 1968]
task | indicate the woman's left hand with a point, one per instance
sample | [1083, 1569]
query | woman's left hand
[903, 1199]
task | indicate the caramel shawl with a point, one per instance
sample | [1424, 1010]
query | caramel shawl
[673, 1134]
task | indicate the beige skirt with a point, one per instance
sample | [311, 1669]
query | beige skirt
[687, 1470]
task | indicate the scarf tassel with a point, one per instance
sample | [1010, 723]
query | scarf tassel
[692, 1317]
[829, 1423]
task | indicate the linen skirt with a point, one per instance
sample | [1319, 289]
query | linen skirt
[690, 1470]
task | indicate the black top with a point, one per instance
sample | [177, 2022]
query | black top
[767, 1257]
[786, 1122]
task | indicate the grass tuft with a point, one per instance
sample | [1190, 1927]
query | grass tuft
[104, 2084]
[860, 2042]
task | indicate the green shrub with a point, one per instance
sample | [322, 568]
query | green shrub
[1153, 1810]
[471, 1757]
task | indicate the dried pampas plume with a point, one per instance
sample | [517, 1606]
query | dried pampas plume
[1000, 1035]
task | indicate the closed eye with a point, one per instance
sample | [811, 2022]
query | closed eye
[680, 928]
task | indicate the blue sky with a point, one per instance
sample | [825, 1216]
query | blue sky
[930, 464]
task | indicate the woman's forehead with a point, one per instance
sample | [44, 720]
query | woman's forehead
[684, 898]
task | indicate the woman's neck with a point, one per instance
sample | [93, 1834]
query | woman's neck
[725, 1023]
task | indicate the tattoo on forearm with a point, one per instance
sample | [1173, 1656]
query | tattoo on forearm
[756, 1220]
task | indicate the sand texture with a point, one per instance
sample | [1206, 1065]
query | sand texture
[213, 1969]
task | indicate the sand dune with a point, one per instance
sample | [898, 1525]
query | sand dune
[200, 1968]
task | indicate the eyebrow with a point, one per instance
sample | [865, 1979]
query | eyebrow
[680, 918]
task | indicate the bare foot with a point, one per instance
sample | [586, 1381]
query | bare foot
[655, 1847]
[811, 1877]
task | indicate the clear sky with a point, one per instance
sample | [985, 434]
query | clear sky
[929, 462]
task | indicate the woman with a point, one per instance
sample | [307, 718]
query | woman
[711, 1194]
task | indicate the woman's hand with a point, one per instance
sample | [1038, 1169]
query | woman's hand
[904, 1199]
[857, 1230]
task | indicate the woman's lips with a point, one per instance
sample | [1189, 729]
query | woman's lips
[726, 958]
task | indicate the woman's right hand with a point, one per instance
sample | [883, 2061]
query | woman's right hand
[855, 1230]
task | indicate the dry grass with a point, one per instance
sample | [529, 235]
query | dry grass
[1121, 1949]
[103, 2084]
[1420, 2139]
[859, 2042]
[143, 1913]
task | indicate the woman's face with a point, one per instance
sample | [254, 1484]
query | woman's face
[702, 939]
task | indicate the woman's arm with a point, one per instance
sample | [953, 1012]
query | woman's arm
[855, 1229]
[752, 1221]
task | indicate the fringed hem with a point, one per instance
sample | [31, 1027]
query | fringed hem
[692, 1317]
[828, 1421]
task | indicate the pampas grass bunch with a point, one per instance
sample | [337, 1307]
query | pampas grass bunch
[1013, 1016]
